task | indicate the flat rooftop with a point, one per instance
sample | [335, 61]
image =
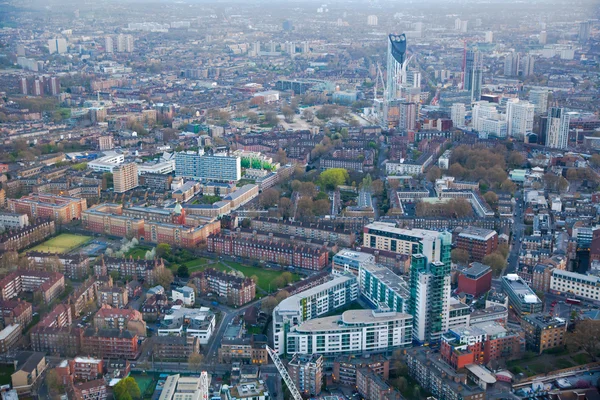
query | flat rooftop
[349, 319]
[391, 280]
[416, 233]
[292, 303]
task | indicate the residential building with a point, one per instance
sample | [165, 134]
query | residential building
[457, 113]
[49, 285]
[492, 313]
[247, 350]
[438, 378]
[382, 288]
[247, 391]
[56, 208]
[29, 367]
[221, 168]
[10, 220]
[125, 177]
[557, 128]
[521, 297]
[120, 318]
[459, 314]
[108, 163]
[185, 294]
[86, 368]
[475, 280]
[309, 304]
[64, 340]
[280, 253]
[519, 118]
[319, 231]
[111, 343]
[57, 45]
[171, 348]
[106, 143]
[15, 312]
[113, 296]
[345, 367]
[237, 290]
[181, 321]
[347, 260]
[9, 337]
[306, 371]
[146, 271]
[74, 266]
[473, 73]
[355, 331]
[539, 98]
[544, 332]
[371, 386]
[90, 390]
[20, 239]
[577, 285]
[478, 242]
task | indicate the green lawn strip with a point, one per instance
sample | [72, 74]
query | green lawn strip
[265, 276]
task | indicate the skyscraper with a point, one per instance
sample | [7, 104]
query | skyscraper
[543, 38]
[109, 46]
[57, 45]
[511, 64]
[396, 66]
[519, 118]
[287, 25]
[584, 31]
[125, 177]
[457, 114]
[124, 43]
[408, 116]
[557, 128]
[473, 74]
[527, 65]
[539, 98]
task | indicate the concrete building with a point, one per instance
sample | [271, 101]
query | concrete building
[306, 372]
[106, 143]
[347, 260]
[204, 167]
[310, 304]
[125, 177]
[577, 285]
[521, 297]
[457, 114]
[171, 348]
[9, 337]
[475, 280]
[557, 128]
[57, 45]
[10, 220]
[543, 332]
[382, 288]
[179, 387]
[519, 118]
[182, 321]
[185, 294]
[355, 331]
[539, 98]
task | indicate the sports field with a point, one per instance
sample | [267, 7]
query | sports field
[62, 243]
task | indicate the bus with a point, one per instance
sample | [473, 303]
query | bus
[572, 301]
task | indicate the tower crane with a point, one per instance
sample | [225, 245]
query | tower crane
[284, 374]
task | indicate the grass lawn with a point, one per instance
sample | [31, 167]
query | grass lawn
[62, 243]
[5, 372]
[265, 276]
[138, 251]
[145, 383]
[582, 358]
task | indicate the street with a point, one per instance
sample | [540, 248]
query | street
[517, 234]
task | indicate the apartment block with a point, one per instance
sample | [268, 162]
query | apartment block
[174, 348]
[48, 284]
[478, 242]
[373, 387]
[306, 372]
[248, 350]
[146, 271]
[56, 208]
[120, 318]
[125, 177]
[90, 390]
[12, 220]
[221, 168]
[238, 291]
[15, 312]
[74, 266]
[65, 341]
[321, 231]
[19, 239]
[347, 260]
[111, 343]
[543, 332]
[382, 288]
[86, 368]
[345, 367]
[9, 337]
[113, 296]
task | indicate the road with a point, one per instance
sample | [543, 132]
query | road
[517, 234]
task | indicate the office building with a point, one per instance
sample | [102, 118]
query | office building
[182, 321]
[46, 206]
[539, 99]
[519, 118]
[306, 371]
[185, 294]
[544, 332]
[57, 45]
[489, 36]
[107, 163]
[475, 280]
[382, 288]
[457, 113]
[557, 128]
[543, 37]
[125, 177]
[577, 285]
[171, 348]
[354, 331]
[347, 260]
[478, 242]
[473, 74]
[521, 297]
[215, 168]
[310, 304]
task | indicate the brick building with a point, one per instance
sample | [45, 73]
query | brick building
[346, 366]
[146, 271]
[111, 343]
[322, 231]
[371, 386]
[74, 266]
[15, 312]
[91, 390]
[279, 253]
[19, 239]
[248, 350]
[86, 368]
[475, 280]
[543, 332]
[120, 318]
[56, 208]
[65, 341]
[47, 284]
[238, 291]
[174, 348]
[113, 296]
[478, 242]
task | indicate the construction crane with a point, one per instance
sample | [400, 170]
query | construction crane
[284, 374]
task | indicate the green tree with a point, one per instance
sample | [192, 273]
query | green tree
[183, 271]
[268, 198]
[195, 361]
[496, 262]
[126, 389]
[586, 337]
[334, 177]
[434, 173]
[163, 250]
[285, 207]
[459, 256]
[268, 304]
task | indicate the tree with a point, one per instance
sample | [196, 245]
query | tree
[586, 337]
[285, 207]
[492, 199]
[278, 282]
[127, 388]
[307, 189]
[334, 177]
[508, 186]
[271, 118]
[287, 277]
[322, 207]
[254, 278]
[400, 383]
[288, 114]
[54, 383]
[246, 223]
[304, 207]
[434, 173]
[377, 187]
[516, 159]
[496, 262]
[195, 361]
[281, 295]
[268, 198]
[268, 304]
[163, 249]
[459, 256]
[164, 278]
[595, 161]
[503, 250]
[183, 271]
[281, 157]
[252, 117]
[308, 115]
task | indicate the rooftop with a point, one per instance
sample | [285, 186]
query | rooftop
[472, 232]
[545, 321]
[477, 270]
[390, 279]
[350, 318]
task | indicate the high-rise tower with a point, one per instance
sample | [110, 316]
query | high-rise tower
[473, 73]
[557, 128]
[396, 66]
